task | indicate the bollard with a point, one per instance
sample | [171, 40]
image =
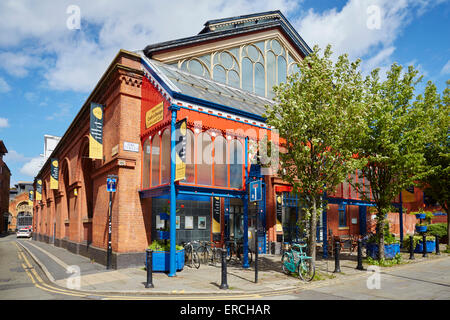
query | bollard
[224, 284]
[149, 266]
[411, 248]
[438, 252]
[360, 265]
[424, 240]
[337, 267]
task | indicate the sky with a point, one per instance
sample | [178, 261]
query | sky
[49, 63]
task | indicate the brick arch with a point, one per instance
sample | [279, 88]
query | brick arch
[64, 186]
[84, 173]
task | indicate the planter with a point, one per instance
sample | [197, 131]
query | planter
[161, 260]
[421, 215]
[163, 235]
[431, 247]
[390, 250]
[421, 228]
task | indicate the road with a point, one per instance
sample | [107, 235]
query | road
[22, 279]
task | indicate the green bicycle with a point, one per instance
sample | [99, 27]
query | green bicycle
[295, 260]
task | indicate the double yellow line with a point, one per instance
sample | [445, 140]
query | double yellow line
[37, 280]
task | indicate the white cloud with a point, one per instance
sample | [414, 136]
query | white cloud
[446, 68]
[77, 58]
[63, 110]
[350, 30]
[32, 167]
[4, 123]
[14, 156]
[4, 86]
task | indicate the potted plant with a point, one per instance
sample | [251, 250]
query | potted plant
[161, 256]
[421, 227]
[391, 244]
[418, 244]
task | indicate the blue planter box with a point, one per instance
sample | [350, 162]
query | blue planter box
[421, 215]
[163, 235]
[390, 250]
[421, 228]
[164, 216]
[431, 247]
[161, 260]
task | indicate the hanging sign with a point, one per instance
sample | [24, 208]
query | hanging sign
[180, 150]
[39, 190]
[154, 115]
[54, 172]
[279, 211]
[31, 195]
[216, 215]
[96, 132]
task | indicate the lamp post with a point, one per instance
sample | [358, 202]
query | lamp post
[111, 183]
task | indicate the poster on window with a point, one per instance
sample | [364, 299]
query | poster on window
[189, 222]
[178, 222]
[202, 223]
[159, 223]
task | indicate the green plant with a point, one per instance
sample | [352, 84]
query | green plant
[437, 229]
[385, 262]
[416, 240]
[389, 238]
[159, 245]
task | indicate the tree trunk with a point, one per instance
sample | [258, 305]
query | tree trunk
[381, 236]
[312, 231]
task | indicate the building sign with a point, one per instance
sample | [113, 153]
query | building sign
[154, 115]
[180, 150]
[39, 190]
[255, 190]
[54, 173]
[130, 146]
[96, 132]
[111, 184]
[279, 211]
[216, 215]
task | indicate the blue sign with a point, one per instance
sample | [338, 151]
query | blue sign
[256, 190]
[111, 184]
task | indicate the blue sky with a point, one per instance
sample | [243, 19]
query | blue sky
[47, 70]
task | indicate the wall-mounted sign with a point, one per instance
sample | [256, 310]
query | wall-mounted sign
[180, 150]
[114, 150]
[255, 189]
[154, 115]
[39, 190]
[279, 212]
[54, 173]
[216, 215]
[96, 132]
[130, 146]
[189, 222]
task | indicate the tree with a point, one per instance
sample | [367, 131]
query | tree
[397, 131]
[319, 117]
[437, 154]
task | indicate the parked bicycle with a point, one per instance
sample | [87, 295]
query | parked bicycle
[295, 260]
[235, 252]
[190, 255]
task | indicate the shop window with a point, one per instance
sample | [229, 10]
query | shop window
[190, 164]
[146, 165]
[204, 159]
[155, 160]
[220, 162]
[165, 157]
[236, 161]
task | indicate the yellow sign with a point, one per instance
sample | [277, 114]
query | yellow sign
[180, 150]
[154, 115]
[54, 174]
[96, 132]
[39, 190]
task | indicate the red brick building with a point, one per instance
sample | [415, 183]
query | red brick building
[219, 81]
[5, 177]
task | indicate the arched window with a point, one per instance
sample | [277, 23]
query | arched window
[190, 164]
[165, 157]
[220, 162]
[204, 159]
[146, 165]
[236, 161]
[155, 160]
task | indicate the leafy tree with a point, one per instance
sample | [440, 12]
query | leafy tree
[398, 128]
[437, 154]
[319, 117]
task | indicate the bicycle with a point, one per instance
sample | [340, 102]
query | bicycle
[190, 254]
[295, 260]
[236, 249]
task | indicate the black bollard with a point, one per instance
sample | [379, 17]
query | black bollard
[424, 240]
[360, 265]
[337, 267]
[411, 248]
[438, 252]
[149, 266]
[224, 284]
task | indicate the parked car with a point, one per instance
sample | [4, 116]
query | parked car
[23, 233]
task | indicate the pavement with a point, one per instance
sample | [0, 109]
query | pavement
[66, 270]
